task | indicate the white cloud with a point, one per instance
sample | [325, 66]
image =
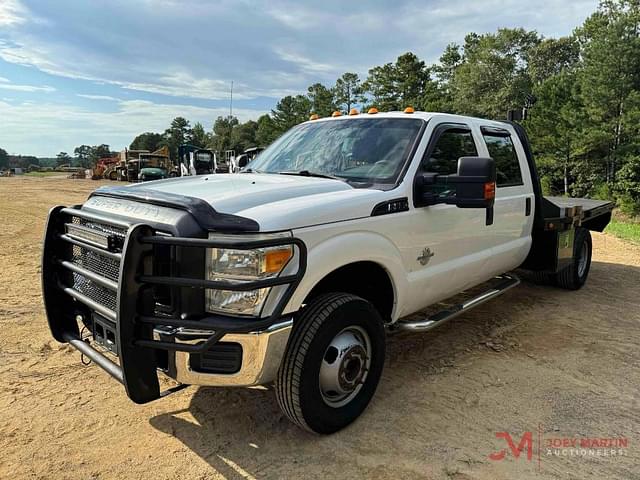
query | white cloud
[97, 97]
[25, 88]
[12, 12]
[44, 129]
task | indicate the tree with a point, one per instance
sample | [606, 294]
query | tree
[321, 98]
[147, 141]
[4, 158]
[347, 91]
[551, 57]
[492, 76]
[290, 111]
[177, 134]
[555, 129]
[243, 136]
[610, 79]
[83, 155]
[266, 131]
[198, 136]
[63, 158]
[222, 130]
[394, 86]
[440, 99]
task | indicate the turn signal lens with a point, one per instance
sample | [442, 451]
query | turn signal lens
[275, 260]
[314, 116]
[409, 110]
[372, 110]
[354, 111]
[490, 190]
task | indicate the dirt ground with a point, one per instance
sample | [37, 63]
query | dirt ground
[558, 364]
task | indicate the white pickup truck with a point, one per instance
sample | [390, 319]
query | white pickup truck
[293, 270]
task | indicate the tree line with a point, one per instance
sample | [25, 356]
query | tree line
[584, 125]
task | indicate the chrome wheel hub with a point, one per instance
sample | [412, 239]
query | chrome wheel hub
[345, 366]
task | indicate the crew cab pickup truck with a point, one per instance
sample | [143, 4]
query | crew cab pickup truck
[293, 270]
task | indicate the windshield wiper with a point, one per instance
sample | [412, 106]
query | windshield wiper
[307, 173]
[249, 170]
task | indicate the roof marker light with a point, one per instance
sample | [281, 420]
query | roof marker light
[409, 110]
[337, 113]
[372, 111]
[314, 116]
[354, 111]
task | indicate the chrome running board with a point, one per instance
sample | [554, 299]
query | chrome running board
[506, 282]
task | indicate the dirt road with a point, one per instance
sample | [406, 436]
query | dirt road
[567, 363]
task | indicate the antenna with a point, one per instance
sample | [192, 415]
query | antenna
[231, 101]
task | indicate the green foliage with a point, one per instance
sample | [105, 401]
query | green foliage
[179, 132]
[394, 86]
[346, 93]
[492, 76]
[626, 230]
[628, 187]
[86, 156]
[147, 141]
[290, 111]
[198, 136]
[63, 158]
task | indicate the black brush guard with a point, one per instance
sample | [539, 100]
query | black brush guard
[134, 315]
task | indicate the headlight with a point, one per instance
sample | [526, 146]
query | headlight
[237, 266]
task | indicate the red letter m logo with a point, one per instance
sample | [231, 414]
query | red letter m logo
[525, 441]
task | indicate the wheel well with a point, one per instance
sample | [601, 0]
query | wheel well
[368, 280]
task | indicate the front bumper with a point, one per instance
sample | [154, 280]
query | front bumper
[262, 352]
[145, 340]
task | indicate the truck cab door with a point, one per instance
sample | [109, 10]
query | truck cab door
[514, 202]
[449, 247]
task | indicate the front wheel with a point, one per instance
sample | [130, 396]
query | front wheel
[333, 363]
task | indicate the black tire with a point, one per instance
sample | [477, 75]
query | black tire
[575, 276]
[542, 278]
[298, 387]
[113, 176]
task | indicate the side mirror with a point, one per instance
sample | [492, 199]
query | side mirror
[474, 186]
[475, 182]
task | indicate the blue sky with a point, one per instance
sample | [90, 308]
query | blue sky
[74, 72]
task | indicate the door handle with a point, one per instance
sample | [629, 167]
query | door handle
[527, 207]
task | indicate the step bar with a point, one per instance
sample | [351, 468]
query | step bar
[505, 282]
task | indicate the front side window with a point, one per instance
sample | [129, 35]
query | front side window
[503, 152]
[449, 147]
[367, 150]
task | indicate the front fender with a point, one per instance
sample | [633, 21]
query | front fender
[343, 249]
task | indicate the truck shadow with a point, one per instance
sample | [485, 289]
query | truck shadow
[242, 434]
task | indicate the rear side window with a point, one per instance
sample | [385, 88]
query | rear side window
[451, 145]
[503, 152]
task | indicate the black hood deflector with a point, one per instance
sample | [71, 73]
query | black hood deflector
[203, 213]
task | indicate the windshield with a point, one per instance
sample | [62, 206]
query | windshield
[370, 150]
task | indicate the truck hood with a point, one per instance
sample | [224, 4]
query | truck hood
[275, 202]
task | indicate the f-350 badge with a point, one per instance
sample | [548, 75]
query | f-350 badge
[426, 256]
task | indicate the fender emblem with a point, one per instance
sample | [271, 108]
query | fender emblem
[425, 257]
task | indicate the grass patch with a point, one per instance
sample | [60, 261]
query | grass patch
[627, 230]
[44, 174]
